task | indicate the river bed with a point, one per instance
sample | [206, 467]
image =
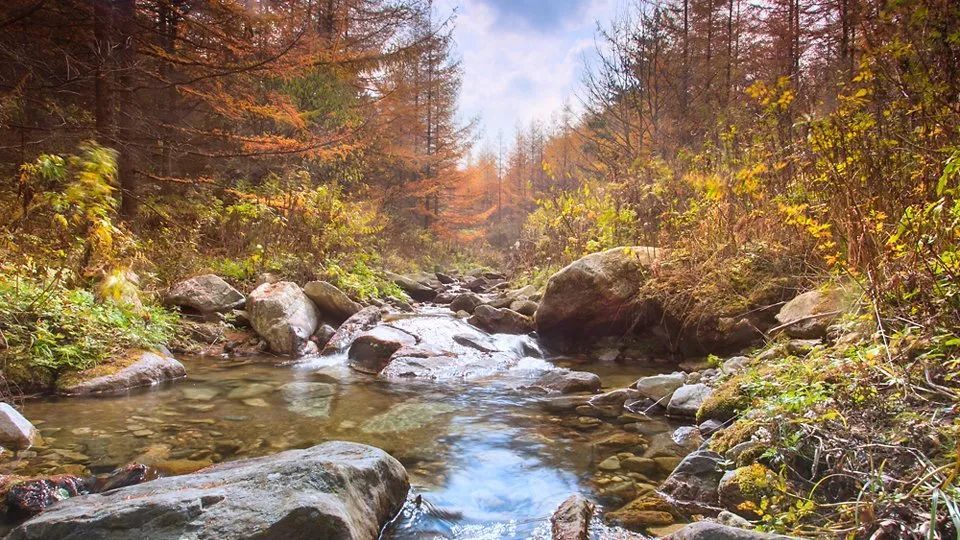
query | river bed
[486, 459]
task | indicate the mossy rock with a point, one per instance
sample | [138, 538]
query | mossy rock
[725, 403]
[25, 377]
[742, 490]
[740, 431]
[643, 512]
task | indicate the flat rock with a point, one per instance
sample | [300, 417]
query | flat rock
[332, 490]
[147, 368]
[686, 400]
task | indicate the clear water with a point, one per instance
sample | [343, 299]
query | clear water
[486, 458]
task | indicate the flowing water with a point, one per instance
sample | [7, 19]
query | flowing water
[486, 459]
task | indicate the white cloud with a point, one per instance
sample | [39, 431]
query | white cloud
[514, 73]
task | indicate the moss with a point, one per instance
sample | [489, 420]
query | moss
[21, 376]
[116, 363]
[724, 403]
[756, 481]
[739, 432]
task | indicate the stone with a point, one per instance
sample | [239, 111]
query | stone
[406, 416]
[687, 399]
[524, 307]
[475, 342]
[30, 497]
[598, 295]
[808, 315]
[610, 464]
[568, 382]
[618, 442]
[371, 351]
[205, 294]
[641, 513]
[307, 398]
[360, 322]
[283, 316]
[693, 484]
[571, 520]
[134, 370]
[418, 291]
[687, 437]
[324, 334]
[331, 301]
[500, 320]
[564, 404]
[708, 530]
[747, 484]
[735, 365]
[466, 302]
[659, 388]
[642, 465]
[445, 279]
[332, 490]
[709, 427]
[16, 432]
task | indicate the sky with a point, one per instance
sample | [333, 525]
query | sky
[521, 58]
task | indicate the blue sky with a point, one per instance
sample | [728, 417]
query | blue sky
[521, 58]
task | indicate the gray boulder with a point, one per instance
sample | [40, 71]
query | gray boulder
[332, 490]
[283, 316]
[808, 315]
[371, 351]
[331, 301]
[659, 388]
[417, 290]
[466, 302]
[598, 295]
[686, 400]
[16, 432]
[524, 307]
[568, 382]
[361, 321]
[709, 530]
[207, 294]
[500, 321]
[693, 484]
[137, 369]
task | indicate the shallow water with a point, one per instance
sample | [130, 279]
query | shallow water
[485, 457]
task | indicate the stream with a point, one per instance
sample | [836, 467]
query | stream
[486, 458]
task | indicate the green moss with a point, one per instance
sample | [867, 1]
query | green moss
[725, 402]
[739, 432]
[108, 367]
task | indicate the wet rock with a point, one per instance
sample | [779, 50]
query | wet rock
[642, 465]
[333, 490]
[128, 475]
[361, 321]
[31, 497]
[710, 427]
[808, 315]
[620, 441]
[323, 334]
[308, 398]
[500, 320]
[708, 530]
[659, 388]
[568, 382]
[283, 315]
[610, 464]
[207, 293]
[406, 416]
[475, 342]
[418, 291]
[331, 301]
[136, 369]
[642, 513]
[571, 520]
[445, 298]
[564, 404]
[596, 296]
[687, 399]
[687, 437]
[693, 485]
[16, 432]
[371, 351]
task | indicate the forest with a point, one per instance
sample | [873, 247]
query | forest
[714, 295]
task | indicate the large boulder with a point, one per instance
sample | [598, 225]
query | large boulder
[693, 485]
[331, 301]
[417, 290]
[371, 351]
[207, 294]
[500, 320]
[133, 370]
[596, 296]
[16, 432]
[361, 321]
[332, 490]
[466, 302]
[808, 315]
[283, 315]
[571, 520]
